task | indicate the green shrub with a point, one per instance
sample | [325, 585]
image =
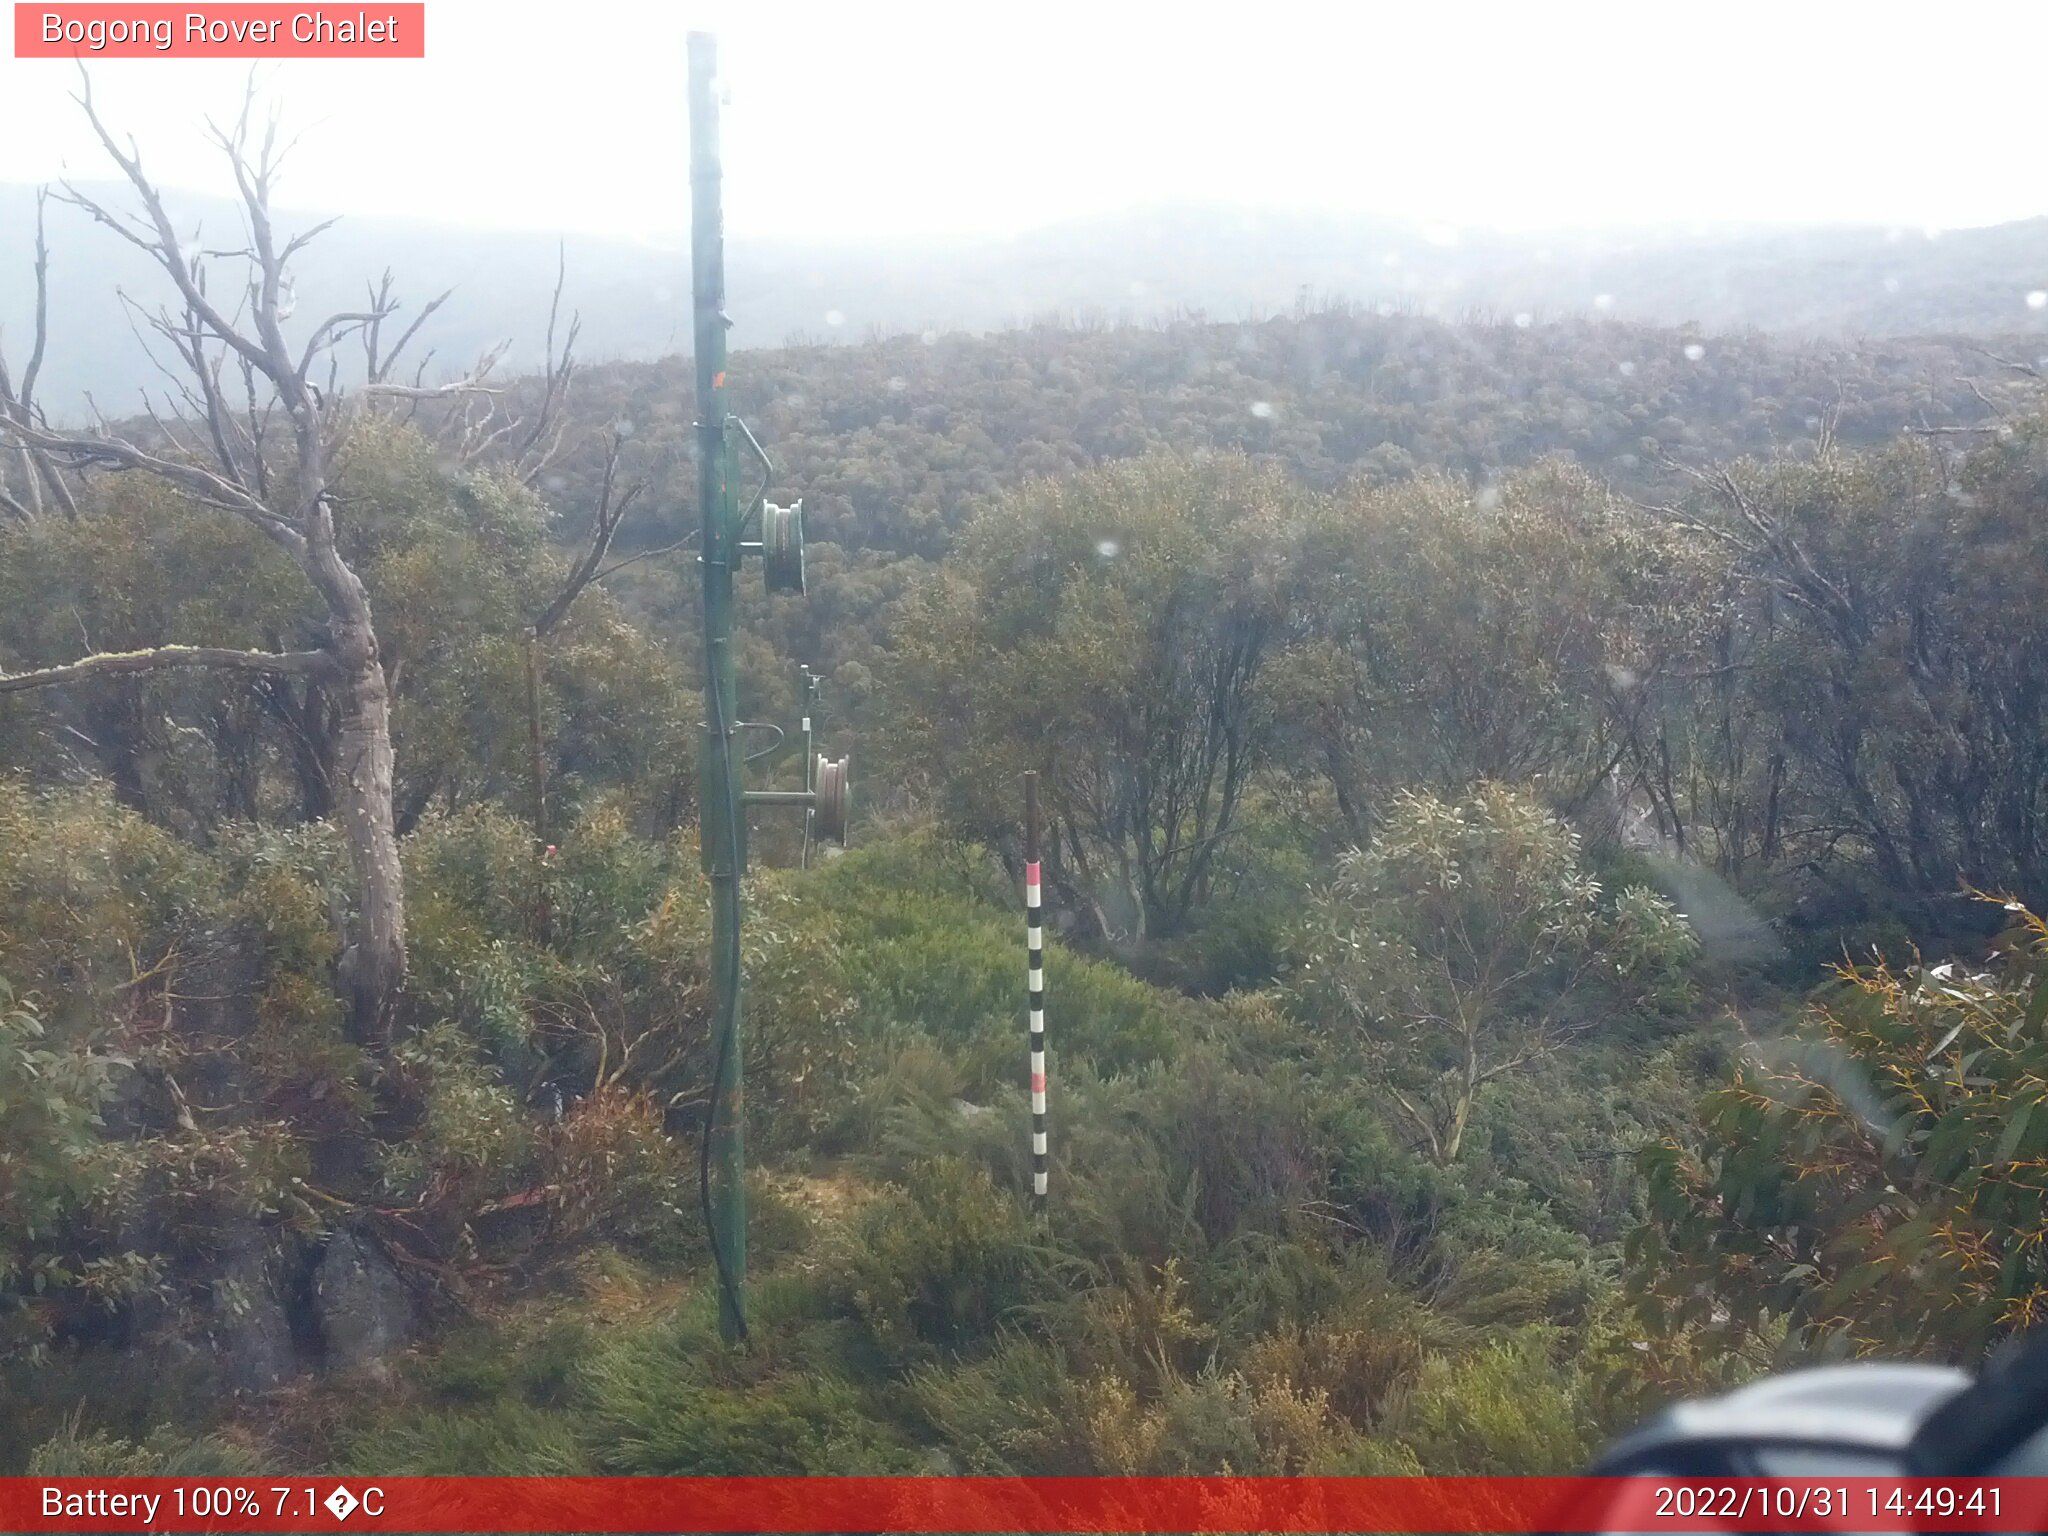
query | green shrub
[932, 940]
[1872, 1183]
[1017, 1412]
[938, 1264]
[502, 1438]
[1505, 1410]
[470, 1129]
[529, 1360]
[164, 1452]
[675, 1401]
[658, 1425]
[1235, 945]
[1220, 1424]
[54, 1166]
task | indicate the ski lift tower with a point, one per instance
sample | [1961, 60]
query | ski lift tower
[723, 543]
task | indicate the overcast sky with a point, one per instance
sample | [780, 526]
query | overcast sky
[876, 118]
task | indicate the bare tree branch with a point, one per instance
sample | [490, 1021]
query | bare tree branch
[14, 508]
[164, 249]
[221, 425]
[34, 365]
[299, 242]
[555, 380]
[258, 422]
[605, 523]
[331, 330]
[377, 364]
[213, 489]
[452, 391]
[166, 657]
[654, 553]
[20, 403]
[2014, 364]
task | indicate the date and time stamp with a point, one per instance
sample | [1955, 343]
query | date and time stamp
[1740, 1503]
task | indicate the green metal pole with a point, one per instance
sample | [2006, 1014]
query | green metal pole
[719, 765]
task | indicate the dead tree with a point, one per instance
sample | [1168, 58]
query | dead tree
[605, 523]
[253, 428]
[39, 481]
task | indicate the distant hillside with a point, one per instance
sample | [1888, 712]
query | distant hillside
[1139, 267]
[893, 442]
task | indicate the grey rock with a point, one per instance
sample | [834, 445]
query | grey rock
[365, 1311]
[251, 1330]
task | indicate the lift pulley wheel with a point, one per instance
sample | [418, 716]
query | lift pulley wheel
[834, 805]
[782, 548]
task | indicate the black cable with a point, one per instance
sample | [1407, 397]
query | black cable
[726, 1284]
[729, 995]
[773, 746]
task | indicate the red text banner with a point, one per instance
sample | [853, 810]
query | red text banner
[240, 31]
[990, 1504]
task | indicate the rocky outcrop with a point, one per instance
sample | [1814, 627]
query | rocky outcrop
[251, 1329]
[365, 1311]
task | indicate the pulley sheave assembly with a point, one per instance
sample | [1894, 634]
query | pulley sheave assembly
[827, 795]
[782, 547]
[832, 802]
[824, 797]
[781, 529]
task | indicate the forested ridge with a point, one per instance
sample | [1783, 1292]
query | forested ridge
[1133, 267]
[1518, 796]
[892, 441]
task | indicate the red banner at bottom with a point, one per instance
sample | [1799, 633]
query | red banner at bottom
[1019, 1504]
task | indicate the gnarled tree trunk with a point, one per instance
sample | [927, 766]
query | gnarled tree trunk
[220, 456]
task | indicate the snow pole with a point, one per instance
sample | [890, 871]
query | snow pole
[1034, 951]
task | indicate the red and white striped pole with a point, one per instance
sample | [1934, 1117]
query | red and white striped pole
[1034, 944]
